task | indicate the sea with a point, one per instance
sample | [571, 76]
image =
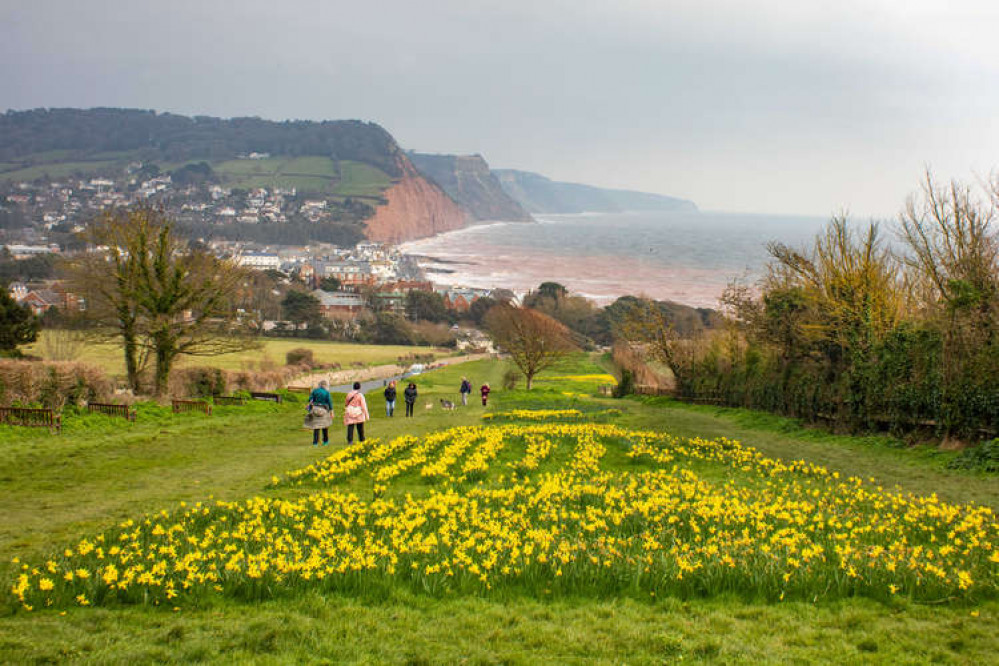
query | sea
[686, 257]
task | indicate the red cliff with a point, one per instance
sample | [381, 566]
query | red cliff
[416, 208]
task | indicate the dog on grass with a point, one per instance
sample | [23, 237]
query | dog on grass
[447, 404]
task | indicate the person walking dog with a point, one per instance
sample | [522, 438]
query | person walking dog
[485, 393]
[355, 413]
[390, 399]
[410, 396]
[320, 413]
[466, 388]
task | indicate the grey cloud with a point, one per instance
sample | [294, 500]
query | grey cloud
[767, 106]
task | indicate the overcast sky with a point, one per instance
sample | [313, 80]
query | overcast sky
[782, 107]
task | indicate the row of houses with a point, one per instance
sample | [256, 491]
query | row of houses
[347, 304]
[43, 297]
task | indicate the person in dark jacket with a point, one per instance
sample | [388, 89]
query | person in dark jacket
[320, 414]
[390, 399]
[466, 388]
[410, 396]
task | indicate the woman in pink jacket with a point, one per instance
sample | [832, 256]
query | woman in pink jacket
[355, 413]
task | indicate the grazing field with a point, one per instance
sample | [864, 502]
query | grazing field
[58, 170]
[361, 180]
[307, 174]
[552, 526]
[270, 354]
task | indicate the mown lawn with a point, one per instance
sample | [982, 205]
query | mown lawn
[270, 354]
[56, 490]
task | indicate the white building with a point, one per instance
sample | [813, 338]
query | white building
[259, 260]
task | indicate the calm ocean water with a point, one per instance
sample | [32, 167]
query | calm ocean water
[684, 257]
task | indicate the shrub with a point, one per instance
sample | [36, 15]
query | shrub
[51, 384]
[204, 382]
[626, 386]
[300, 356]
[510, 378]
[984, 457]
[197, 382]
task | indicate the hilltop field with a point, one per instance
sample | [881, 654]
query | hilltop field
[552, 526]
[52, 346]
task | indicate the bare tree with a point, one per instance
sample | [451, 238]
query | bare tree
[954, 247]
[534, 340]
[646, 326]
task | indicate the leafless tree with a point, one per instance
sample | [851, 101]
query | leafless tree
[534, 340]
[953, 245]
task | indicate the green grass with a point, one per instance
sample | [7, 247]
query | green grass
[108, 356]
[100, 471]
[361, 180]
[57, 171]
[920, 470]
[308, 174]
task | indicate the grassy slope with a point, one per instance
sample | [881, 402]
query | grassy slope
[57, 170]
[361, 180]
[55, 488]
[309, 174]
[271, 354]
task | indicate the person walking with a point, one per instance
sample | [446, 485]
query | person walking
[485, 393]
[466, 388]
[355, 413]
[390, 399]
[409, 395]
[320, 413]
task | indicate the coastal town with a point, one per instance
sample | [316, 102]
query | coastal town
[348, 282]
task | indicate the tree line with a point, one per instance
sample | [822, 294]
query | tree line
[864, 329]
[170, 137]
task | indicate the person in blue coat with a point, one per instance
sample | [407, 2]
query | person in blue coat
[320, 413]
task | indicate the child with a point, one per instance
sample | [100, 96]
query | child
[485, 393]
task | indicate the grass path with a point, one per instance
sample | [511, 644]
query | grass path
[53, 488]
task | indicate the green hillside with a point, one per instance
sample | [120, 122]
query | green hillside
[554, 526]
[86, 137]
[312, 174]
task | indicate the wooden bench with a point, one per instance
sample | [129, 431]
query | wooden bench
[191, 406]
[299, 389]
[269, 397]
[28, 416]
[228, 400]
[123, 411]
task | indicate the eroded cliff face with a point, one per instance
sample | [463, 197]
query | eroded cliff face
[416, 208]
[468, 180]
